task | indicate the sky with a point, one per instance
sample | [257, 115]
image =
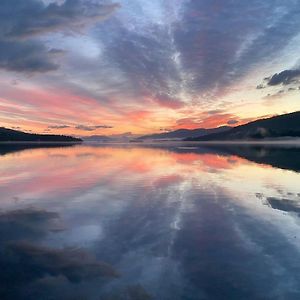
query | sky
[99, 67]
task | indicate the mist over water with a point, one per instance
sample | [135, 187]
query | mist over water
[143, 222]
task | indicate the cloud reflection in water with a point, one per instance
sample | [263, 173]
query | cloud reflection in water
[130, 222]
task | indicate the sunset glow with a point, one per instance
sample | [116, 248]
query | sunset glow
[90, 67]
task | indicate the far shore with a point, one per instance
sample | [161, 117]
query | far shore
[40, 142]
[279, 142]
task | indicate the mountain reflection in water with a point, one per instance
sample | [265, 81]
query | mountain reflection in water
[149, 222]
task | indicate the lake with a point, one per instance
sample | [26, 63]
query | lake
[136, 222]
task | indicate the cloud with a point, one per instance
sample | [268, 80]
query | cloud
[232, 122]
[33, 265]
[210, 121]
[21, 231]
[215, 111]
[289, 77]
[133, 292]
[58, 126]
[23, 22]
[168, 101]
[37, 19]
[207, 120]
[147, 61]
[56, 52]
[285, 77]
[214, 42]
[277, 95]
[286, 205]
[260, 86]
[147, 56]
[25, 56]
[80, 127]
[92, 128]
[75, 264]
[195, 52]
[103, 126]
[28, 224]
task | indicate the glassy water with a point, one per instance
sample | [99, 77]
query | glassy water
[133, 222]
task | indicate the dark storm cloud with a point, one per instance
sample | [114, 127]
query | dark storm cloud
[22, 22]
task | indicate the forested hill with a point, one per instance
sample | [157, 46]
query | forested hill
[10, 135]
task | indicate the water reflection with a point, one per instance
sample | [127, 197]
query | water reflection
[145, 222]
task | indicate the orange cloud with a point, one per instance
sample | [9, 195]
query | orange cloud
[210, 121]
[46, 110]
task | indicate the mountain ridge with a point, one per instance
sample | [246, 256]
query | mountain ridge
[281, 126]
[184, 133]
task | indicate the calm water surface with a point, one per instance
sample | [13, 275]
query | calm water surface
[136, 223]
